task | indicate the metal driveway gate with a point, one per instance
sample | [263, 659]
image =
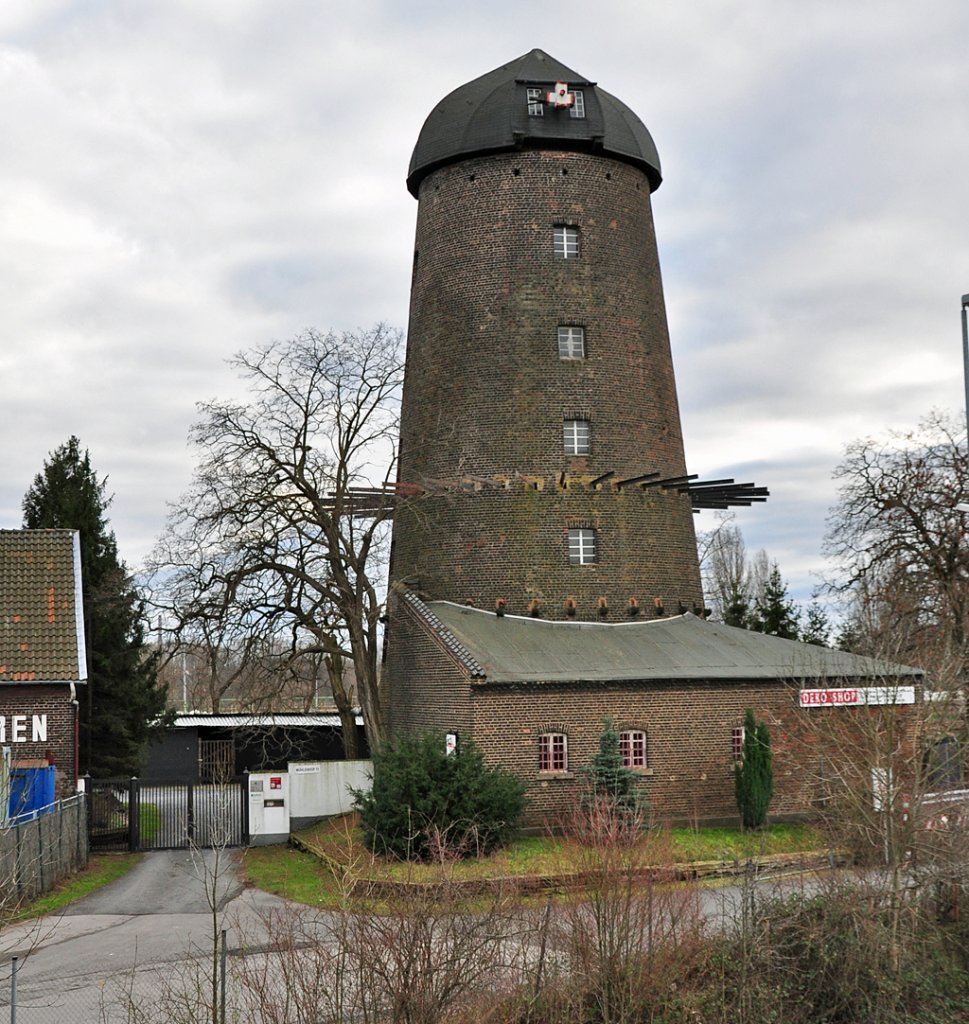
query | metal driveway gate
[141, 814]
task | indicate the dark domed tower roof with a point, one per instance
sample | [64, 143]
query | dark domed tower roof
[490, 114]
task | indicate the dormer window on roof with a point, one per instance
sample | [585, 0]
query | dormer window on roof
[557, 97]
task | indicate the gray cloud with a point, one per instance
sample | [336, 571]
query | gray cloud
[182, 181]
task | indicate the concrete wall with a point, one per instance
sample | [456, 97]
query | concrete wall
[318, 789]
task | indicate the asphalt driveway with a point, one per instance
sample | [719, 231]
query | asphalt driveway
[168, 882]
[128, 937]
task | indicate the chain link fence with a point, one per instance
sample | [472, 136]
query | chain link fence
[37, 851]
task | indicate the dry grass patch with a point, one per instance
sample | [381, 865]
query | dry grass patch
[339, 859]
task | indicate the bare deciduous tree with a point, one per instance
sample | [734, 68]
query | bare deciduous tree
[899, 540]
[734, 581]
[286, 523]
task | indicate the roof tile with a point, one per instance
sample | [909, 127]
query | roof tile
[41, 620]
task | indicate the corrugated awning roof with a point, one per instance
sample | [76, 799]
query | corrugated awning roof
[241, 721]
[511, 648]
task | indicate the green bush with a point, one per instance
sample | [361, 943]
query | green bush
[754, 776]
[426, 803]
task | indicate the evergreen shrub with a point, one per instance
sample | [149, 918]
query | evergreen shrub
[610, 781]
[426, 803]
[754, 776]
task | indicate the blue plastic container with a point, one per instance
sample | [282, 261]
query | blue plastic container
[31, 789]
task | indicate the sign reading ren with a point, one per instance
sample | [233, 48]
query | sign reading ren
[17, 731]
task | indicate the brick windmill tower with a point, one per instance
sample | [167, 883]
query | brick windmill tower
[545, 574]
[540, 412]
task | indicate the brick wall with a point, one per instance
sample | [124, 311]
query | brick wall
[486, 392]
[690, 773]
[19, 704]
[429, 691]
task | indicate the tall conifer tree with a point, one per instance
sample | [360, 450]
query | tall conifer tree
[774, 612]
[123, 700]
[754, 776]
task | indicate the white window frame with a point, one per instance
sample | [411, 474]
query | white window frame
[565, 241]
[571, 342]
[553, 752]
[578, 104]
[536, 102]
[577, 437]
[583, 546]
[633, 748]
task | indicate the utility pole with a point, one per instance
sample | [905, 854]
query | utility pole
[965, 358]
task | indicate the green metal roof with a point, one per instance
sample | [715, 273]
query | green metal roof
[513, 649]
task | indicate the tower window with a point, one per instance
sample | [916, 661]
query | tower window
[577, 437]
[553, 752]
[578, 104]
[582, 547]
[566, 241]
[571, 343]
[632, 748]
[536, 102]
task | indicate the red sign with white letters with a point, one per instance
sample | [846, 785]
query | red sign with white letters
[828, 698]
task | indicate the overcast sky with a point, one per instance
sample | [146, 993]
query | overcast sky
[180, 180]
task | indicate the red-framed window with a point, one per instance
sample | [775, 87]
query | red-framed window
[737, 743]
[632, 748]
[553, 752]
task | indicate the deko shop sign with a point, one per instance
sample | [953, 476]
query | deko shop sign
[23, 728]
[852, 697]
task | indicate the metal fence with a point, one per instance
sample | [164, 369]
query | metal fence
[38, 850]
[141, 814]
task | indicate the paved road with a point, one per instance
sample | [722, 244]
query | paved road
[148, 928]
[136, 931]
[167, 882]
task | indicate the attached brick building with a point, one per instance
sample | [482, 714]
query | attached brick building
[42, 650]
[532, 694]
[545, 575]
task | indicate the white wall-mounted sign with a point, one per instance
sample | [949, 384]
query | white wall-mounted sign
[23, 728]
[858, 696]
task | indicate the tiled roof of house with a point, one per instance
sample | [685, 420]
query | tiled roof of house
[511, 648]
[41, 616]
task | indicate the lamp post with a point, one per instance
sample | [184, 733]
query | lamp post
[965, 357]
